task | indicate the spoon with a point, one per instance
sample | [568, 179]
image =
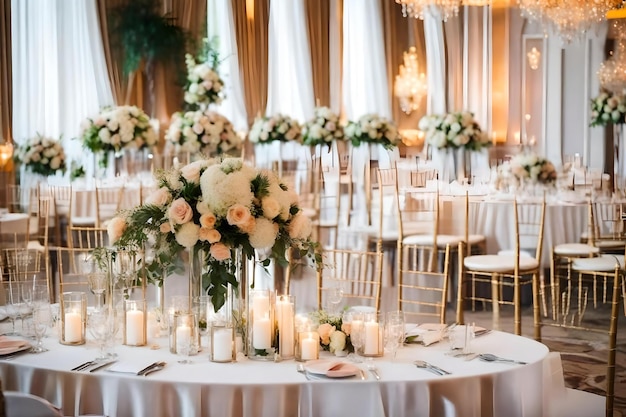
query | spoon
[488, 357]
[429, 367]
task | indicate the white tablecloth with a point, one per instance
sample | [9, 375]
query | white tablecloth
[251, 388]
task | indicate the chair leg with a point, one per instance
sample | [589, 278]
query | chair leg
[536, 312]
[495, 293]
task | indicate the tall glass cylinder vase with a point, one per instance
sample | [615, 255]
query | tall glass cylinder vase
[448, 169]
[463, 165]
[262, 344]
[197, 258]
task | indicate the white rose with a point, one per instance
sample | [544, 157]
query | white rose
[187, 234]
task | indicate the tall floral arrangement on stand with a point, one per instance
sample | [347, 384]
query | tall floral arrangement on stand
[204, 85]
[323, 128]
[215, 208]
[454, 130]
[532, 168]
[608, 108]
[116, 129]
[375, 129]
[278, 127]
[205, 132]
[42, 155]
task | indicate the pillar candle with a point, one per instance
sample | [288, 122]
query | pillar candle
[134, 327]
[308, 348]
[73, 327]
[223, 345]
[260, 305]
[371, 338]
[284, 311]
[262, 333]
[183, 338]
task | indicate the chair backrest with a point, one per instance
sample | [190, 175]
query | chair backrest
[20, 404]
[108, 202]
[608, 221]
[355, 274]
[327, 205]
[421, 178]
[87, 237]
[529, 226]
[73, 268]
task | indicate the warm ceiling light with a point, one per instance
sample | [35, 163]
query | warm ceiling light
[410, 85]
[442, 9]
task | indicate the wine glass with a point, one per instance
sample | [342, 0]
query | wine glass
[12, 304]
[42, 318]
[394, 331]
[335, 295]
[98, 285]
[99, 324]
[356, 333]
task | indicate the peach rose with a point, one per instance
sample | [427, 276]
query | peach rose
[346, 328]
[325, 330]
[209, 235]
[238, 215]
[180, 212]
[116, 228]
[191, 172]
[220, 252]
[159, 197]
[165, 227]
[208, 220]
[271, 207]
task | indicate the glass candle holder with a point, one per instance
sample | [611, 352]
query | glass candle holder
[179, 304]
[285, 321]
[184, 334]
[222, 342]
[372, 335]
[73, 311]
[307, 346]
[135, 322]
[261, 341]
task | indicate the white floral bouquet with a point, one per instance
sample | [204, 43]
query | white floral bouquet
[323, 129]
[204, 85]
[205, 132]
[530, 167]
[116, 129]
[372, 128]
[334, 334]
[213, 208]
[454, 130]
[279, 127]
[608, 108]
[42, 155]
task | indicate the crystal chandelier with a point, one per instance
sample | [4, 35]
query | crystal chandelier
[568, 19]
[418, 9]
[410, 86]
[612, 72]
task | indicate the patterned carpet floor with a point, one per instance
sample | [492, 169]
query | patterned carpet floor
[584, 354]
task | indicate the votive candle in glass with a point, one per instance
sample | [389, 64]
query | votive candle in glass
[308, 346]
[373, 334]
[73, 318]
[135, 324]
[222, 342]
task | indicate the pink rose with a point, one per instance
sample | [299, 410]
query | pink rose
[160, 197]
[325, 330]
[208, 220]
[180, 212]
[220, 252]
[209, 235]
[165, 227]
[116, 228]
[238, 215]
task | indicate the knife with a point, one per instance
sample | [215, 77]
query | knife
[147, 368]
[374, 372]
[104, 365]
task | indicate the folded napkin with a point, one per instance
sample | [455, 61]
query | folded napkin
[332, 368]
[430, 337]
[8, 345]
[130, 367]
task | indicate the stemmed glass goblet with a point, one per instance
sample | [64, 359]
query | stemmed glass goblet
[394, 331]
[356, 333]
[98, 285]
[12, 304]
[335, 295]
[42, 318]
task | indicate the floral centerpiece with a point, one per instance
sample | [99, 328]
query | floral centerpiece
[372, 128]
[279, 127]
[454, 130]
[334, 334]
[205, 132]
[530, 167]
[323, 129]
[118, 128]
[608, 108]
[213, 208]
[204, 85]
[42, 155]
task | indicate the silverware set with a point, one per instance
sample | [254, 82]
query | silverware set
[96, 365]
[154, 367]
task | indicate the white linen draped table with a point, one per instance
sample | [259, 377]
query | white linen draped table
[274, 389]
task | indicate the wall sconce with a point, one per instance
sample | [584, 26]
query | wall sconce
[410, 86]
[534, 57]
[6, 153]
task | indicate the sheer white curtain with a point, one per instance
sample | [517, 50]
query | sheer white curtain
[290, 77]
[220, 24]
[59, 71]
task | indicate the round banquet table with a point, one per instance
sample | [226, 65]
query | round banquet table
[276, 389]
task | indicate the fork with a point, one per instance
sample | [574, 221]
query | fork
[159, 366]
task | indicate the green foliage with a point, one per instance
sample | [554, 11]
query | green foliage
[144, 34]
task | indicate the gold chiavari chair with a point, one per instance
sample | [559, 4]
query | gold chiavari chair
[327, 206]
[350, 276]
[608, 232]
[421, 178]
[87, 237]
[607, 268]
[509, 268]
[108, 202]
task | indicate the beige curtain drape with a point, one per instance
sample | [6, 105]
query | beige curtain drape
[318, 24]
[6, 91]
[453, 34]
[251, 29]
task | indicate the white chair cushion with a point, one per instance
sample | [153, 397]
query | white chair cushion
[609, 244]
[83, 221]
[473, 239]
[511, 252]
[442, 240]
[575, 249]
[498, 263]
[604, 263]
